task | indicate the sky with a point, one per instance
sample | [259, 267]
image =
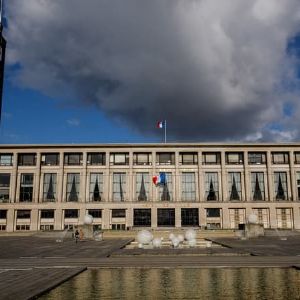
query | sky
[103, 71]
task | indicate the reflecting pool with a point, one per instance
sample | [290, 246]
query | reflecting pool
[242, 283]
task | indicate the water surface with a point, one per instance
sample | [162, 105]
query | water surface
[242, 283]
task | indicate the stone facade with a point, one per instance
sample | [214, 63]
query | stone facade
[52, 187]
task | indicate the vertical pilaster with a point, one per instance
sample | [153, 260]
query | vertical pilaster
[224, 195]
[270, 177]
[177, 217]
[293, 187]
[58, 219]
[10, 220]
[37, 179]
[153, 217]
[34, 219]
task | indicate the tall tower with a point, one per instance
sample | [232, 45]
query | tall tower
[2, 56]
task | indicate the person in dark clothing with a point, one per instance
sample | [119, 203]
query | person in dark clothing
[76, 236]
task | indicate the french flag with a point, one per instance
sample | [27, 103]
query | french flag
[160, 179]
[161, 124]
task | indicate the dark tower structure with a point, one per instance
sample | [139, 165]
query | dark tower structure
[2, 57]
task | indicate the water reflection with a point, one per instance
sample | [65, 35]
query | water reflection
[244, 283]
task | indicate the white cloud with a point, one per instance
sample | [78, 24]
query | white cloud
[214, 69]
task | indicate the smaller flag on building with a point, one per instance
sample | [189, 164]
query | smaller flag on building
[159, 179]
[161, 124]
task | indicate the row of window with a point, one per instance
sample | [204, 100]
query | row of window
[165, 217]
[162, 158]
[188, 187]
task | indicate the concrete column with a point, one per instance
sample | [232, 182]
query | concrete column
[293, 186]
[37, 179]
[129, 217]
[247, 178]
[10, 220]
[177, 217]
[153, 217]
[296, 217]
[82, 213]
[270, 177]
[225, 218]
[198, 179]
[34, 219]
[273, 217]
[14, 177]
[131, 180]
[60, 178]
[224, 193]
[106, 219]
[84, 179]
[58, 219]
[177, 180]
[202, 216]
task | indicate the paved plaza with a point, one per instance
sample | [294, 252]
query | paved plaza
[37, 264]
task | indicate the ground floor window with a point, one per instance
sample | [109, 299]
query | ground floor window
[2, 227]
[22, 227]
[166, 217]
[142, 217]
[189, 217]
[118, 227]
[47, 227]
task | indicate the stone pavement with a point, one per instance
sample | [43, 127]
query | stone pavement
[28, 262]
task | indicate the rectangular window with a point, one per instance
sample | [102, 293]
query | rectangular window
[280, 157]
[234, 186]
[23, 214]
[280, 185]
[96, 187]
[166, 217]
[190, 217]
[119, 187]
[284, 218]
[142, 159]
[73, 159]
[142, 217]
[142, 186]
[50, 159]
[211, 186]
[297, 157]
[211, 158]
[118, 213]
[71, 213]
[119, 159]
[213, 213]
[27, 159]
[234, 158]
[165, 158]
[47, 214]
[188, 186]
[298, 184]
[166, 190]
[3, 214]
[6, 159]
[49, 187]
[257, 186]
[4, 188]
[96, 159]
[73, 187]
[95, 213]
[256, 158]
[26, 188]
[188, 158]
[47, 227]
[22, 227]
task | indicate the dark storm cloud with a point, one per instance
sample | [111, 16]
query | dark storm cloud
[214, 69]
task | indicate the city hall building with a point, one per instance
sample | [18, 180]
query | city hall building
[53, 187]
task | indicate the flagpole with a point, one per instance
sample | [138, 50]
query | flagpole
[165, 131]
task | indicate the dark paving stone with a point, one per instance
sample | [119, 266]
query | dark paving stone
[29, 283]
[264, 246]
